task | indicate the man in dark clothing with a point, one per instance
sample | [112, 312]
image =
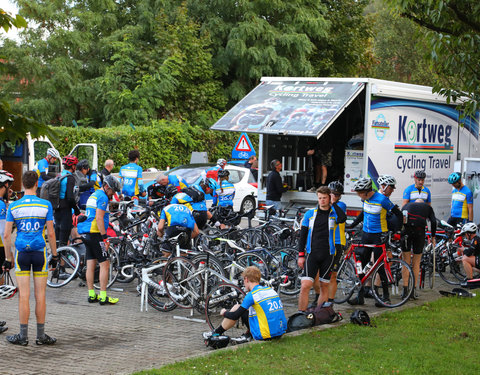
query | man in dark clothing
[416, 215]
[249, 162]
[275, 187]
[107, 170]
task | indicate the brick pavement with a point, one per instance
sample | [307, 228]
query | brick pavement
[116, 339]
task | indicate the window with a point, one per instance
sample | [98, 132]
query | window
[40, 150]
[84, 152]
[235, 176]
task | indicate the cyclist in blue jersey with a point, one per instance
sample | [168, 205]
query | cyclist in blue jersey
[68, 200]
[131, 175]
[171, 179]
[94, 229]
[42, 167]
[387, 185]
[417, 190]
[89, 181]
[317, 240]
[462, 201]
[30, 215]
[223, 195]
[176, 219]
[262, 306]
[375, 209]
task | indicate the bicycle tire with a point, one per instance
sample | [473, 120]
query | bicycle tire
[224, 296]
[124, 252]
[251, 238]
[396, 294]
[449, 270]
[214, 263]
[247, 259]
[158, 297]
[432, 268]
[346, 281]
[67, 267]
[288, 259]
[178, 275]
[113, 270]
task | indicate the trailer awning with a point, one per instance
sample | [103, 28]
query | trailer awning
[290, 107]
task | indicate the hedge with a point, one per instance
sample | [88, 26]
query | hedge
[163, 143]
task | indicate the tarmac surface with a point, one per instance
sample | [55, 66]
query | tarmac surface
[120, 339]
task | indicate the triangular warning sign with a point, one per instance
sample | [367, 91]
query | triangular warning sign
[243, 144]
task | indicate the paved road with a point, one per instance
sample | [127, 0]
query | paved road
[116, 339]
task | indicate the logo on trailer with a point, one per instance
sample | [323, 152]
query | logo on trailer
[381, 126]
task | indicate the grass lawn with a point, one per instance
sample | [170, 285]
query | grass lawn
[441, 337]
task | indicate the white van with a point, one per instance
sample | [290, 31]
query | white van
[374, 127]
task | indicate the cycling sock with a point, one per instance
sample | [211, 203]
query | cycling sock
[103, 295]
[91, 293]
[220, 330]
[24, 331]
[40, 330]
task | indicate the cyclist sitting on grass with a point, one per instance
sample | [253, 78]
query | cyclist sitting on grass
[471, 251]
[263, 307]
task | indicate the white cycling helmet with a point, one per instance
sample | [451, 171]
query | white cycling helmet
[221, 162]
[386, 179]
[363, 184]
[53, 152]
[5, 178]
[469, 228]
[7, 291]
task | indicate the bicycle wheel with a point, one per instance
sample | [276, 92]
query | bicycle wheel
[157, 295]
[288, 270]
[183, 286]
[210, 261]
[113, 268]
[67, 267]
[247, 259]
[346, 281]
[431, 268]
[224, 296]
[450, 269]
[126, 253]
[399, 283]
[251, 238]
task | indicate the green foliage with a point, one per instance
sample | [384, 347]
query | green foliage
[7, 21]
[163, 143]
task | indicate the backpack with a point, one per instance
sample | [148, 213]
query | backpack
[197, 196]
[324, 314]
[50, 191]
[300, 320]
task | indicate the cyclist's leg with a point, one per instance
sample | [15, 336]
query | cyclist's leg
[468, 264]
[417, 246]
[310, 271]
[324, 276]
[332, 288]
[316, 287]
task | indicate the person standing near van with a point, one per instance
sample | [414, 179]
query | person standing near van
[275, 187]
[417, 190]
[42, 167]
[462, 201]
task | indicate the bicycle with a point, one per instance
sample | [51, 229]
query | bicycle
[394, 269]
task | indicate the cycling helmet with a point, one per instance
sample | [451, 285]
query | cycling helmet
[221, 162]
[83, 164]
[336, 187]
[360, 317]
[223, 173]
[217, 342]
[6, 178]
[454, 177]
[113, 183]
[70, 160]
[469, 228]
[53, 152]
[7, 291]
[170, 191]
[386, 179]
[420, 174]
[363, 183]
[211, 183]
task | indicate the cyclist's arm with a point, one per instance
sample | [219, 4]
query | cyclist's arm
[357, 220]
[433, 222]
[51, 237]
[341, 216]
[99, 215]
[45, 176]
[195, 231]
[470, 211]
[7, 240]
[396, 211]
[160, 227]
[235, 315]
[70, 196]
[302, 241]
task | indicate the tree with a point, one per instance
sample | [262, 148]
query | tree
[454, 38]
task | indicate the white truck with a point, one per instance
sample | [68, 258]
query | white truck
[374, 126]
[26, 154]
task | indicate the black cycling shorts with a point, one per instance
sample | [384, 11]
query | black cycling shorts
[93, 247]
[200, 218]
[477, 262]
[337, 259]
[415, 240]
[320, 261]
[174, 231]
[2, 254]
[25, 261]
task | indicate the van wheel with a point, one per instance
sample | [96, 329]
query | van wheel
[248, 204]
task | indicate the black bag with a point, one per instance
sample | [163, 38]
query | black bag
[50, 191]
[300, 320]
[324, 314]
[197, 196]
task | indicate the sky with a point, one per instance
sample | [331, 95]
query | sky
[9, 7]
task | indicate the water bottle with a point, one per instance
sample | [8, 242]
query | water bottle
[368, 267]
[405, 216]
[201, 265]
[136, 243]
[358, 265]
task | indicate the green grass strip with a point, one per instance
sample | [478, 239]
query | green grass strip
[440, 337]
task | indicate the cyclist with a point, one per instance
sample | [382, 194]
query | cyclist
[462, 201]
[387, 185]
[418, 213]
[94, 231]
[223, 195]
[6, 181]
[42, 167]
[89, 181]
[471, 252]
[131, 175]
[417, 190]
[171, 179]
[213, 171]
[263, 307]
[317, 237]
[194, 198]
[336, 187]
[67, 202]
[30, 215]
[375, 226]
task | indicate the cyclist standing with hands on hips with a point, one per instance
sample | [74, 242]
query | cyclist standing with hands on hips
[417, 190]
[462, 201]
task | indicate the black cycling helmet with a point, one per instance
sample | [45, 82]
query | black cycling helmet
[336, 187]
[83, 164]
[217, 342]
[223, 173]
[113, 183]
[360, 317]
[170, 191]
[420, 174]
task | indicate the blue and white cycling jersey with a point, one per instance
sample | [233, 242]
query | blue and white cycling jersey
[178, 215]
[98, 199]
[42, 166]
[177, 181]
[223, 194]
[375, 213]
[412, 194]
[30, 214]
[339, 230]
[185, 199]
[460, 201]
[131, 175]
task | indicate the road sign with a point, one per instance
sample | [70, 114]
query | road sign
[243, 148]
